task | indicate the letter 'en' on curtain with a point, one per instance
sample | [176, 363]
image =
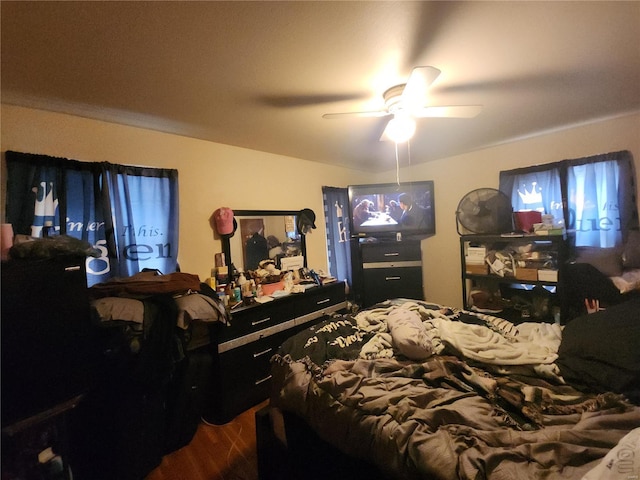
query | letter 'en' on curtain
[130, 214]
[336, 211]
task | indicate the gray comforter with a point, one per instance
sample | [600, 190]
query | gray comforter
[457, 414]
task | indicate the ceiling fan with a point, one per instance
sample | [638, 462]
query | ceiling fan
[406, 102]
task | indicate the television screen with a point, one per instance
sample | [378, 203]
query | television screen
[389, 208]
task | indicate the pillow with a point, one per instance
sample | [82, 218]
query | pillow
[631, 253]
[618, 460]
[607, 260]
[409, 334]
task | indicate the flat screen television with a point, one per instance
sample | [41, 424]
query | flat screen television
[386, 209]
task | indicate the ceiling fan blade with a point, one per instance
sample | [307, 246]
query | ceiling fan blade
[376, 113]
[286, 101]
[384, 137]
[415, 90]
[451, 111]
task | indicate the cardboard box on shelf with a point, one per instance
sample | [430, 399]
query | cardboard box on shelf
[548, 275]
[527, 274]
[476, 269]
[476, 254]
[474, 260]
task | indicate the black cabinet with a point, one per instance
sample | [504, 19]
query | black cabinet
[384, 270]
[518, 276]
[243, 349]
[47, 360]
[46, 334]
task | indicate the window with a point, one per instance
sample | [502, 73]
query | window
[593, 196]
[593, 203]
[536, 189]
[129, 214]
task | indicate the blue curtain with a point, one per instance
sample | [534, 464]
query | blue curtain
[601, 199]
[336, 208]
[538, 190]
[595, 195]
[130, 214]
[144, 204]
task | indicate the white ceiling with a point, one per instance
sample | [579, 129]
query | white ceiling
[261, 74]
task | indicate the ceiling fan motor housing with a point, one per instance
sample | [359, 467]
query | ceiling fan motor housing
[393, 98]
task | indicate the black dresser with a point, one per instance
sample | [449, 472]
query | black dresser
[46, 334]
[242, 350]
[387, 269]
[47, 360]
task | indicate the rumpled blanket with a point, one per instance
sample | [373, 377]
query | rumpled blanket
[472, 411]
[497, 341]
[443, 419]
[535, 343]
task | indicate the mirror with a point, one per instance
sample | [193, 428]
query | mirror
[261, 235]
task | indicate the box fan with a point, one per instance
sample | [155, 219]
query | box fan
[484, 211]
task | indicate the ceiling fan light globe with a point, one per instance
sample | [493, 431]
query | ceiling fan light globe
[401, 128]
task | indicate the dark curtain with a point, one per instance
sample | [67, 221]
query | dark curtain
[336, 211]
[34, 193]
[129, 214]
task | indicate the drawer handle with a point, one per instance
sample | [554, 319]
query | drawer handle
[392, 278]
[258, 382]
[392, 254]
[320, 302]
[258, 322]
[259, 354]
[73, 268]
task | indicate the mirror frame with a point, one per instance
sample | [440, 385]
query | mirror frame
[226, 244]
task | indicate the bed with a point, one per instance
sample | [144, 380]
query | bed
[409, 389]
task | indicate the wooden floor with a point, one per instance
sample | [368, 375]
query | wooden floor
[216, 452]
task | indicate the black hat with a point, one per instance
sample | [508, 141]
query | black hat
[306, 220]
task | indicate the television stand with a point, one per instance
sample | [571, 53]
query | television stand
[386, 269]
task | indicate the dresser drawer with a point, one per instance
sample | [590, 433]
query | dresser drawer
[245, 376]
[390, 252]
[253, 319]
[248, 365]
[319, 298]
[243, 350]
[385, 283]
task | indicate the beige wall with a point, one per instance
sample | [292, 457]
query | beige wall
[214, 175]
[211, 175]
[458, 175]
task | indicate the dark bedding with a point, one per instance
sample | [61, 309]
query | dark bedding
[601, 351]
[487, 400]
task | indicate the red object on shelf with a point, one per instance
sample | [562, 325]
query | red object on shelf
[524, 220]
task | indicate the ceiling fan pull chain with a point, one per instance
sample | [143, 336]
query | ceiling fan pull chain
[398, 160]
